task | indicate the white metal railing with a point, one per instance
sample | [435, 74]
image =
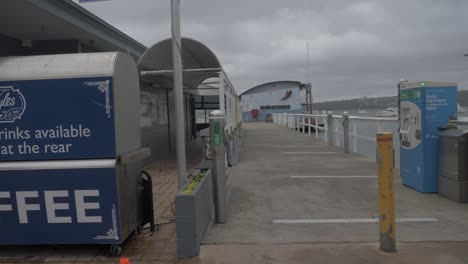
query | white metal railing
[320, 122]
[355, 134]
[300, 121]
[337, 130]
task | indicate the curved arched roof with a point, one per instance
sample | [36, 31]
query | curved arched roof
[195, 55]
[268, 83]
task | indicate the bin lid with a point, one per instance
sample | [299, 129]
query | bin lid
[452, 132]
[426, 84]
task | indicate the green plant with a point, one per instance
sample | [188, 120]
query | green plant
[194, 181]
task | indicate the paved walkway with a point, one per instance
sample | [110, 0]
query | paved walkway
[293, 196]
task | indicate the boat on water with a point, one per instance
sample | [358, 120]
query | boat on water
[362, 111]
[461, 109]
[389, 112]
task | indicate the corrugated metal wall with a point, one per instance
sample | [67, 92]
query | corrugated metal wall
[276, 94]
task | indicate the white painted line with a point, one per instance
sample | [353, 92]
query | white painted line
[334, 176]
[308, 152]
[351, 220]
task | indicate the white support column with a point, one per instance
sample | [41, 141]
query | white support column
[233, 109]
[222, 91]
[228, 108]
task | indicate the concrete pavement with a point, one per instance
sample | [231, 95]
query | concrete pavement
[349, 253]
[285, 176]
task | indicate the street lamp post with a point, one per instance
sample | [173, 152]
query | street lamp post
[178, 92]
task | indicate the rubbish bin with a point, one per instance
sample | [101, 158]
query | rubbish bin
[425, 106]
[453, 168]
[70, 150]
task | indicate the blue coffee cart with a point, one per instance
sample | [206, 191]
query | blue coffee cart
[70, 151]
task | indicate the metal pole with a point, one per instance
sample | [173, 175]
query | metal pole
[330, 129]
[222, 92]
[346, 132]
[385, 164]
[178, 93]
[217, 122]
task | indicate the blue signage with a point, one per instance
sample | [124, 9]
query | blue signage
[59, 207]
[57, 119]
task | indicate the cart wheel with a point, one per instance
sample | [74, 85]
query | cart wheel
[138, 230]
[115, 250]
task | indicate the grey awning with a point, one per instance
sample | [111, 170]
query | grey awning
[199, 64]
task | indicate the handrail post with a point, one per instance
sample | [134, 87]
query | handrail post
[310, 125]
[346, 132]
[295, 123]
[325, 124]
[303, 124]
[316, 127]
[292, 121]
[330, 128]
[355, 138]
[379, 126]
[336, 130]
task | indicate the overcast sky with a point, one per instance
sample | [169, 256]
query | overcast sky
[357, 48]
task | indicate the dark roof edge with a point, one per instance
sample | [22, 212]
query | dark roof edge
[255, 87]
[74, 14]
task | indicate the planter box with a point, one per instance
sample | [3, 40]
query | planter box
[194, 214]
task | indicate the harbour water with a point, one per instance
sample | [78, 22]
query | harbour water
[368, 128]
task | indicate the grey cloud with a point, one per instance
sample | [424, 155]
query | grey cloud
[357, 48]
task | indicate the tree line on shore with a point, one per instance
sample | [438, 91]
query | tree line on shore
[373, 102]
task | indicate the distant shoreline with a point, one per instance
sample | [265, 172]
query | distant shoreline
[374, 103]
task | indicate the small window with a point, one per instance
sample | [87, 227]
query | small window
[201, 116]
[275, 107]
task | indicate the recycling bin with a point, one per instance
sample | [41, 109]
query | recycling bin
[453, 168]
[70, 150]
[424, 108]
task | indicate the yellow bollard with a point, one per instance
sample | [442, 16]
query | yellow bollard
[385, 164]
